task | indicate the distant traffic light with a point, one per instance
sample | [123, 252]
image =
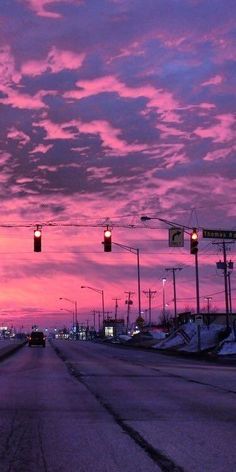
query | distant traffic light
[37, 239]
[194, 242]
[107, 240]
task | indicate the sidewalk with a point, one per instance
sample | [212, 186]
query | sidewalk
[9, 346]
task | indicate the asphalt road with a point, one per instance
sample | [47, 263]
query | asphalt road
[81, 406]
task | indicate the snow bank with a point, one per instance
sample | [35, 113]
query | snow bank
[228, 346]
[187, 338]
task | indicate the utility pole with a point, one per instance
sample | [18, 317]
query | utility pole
[94, 319]
[224, 265]
[99, 320]
[230, 297]
[163, 298]
[150, 294]
[107, 313]
[116, 306]
[173, 270]
[128, 302]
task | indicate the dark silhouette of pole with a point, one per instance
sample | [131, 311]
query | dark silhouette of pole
[226, 282]
[197, 283]
[116, 306]
[224, 266]
[98, 290]
[208, 303]
[230, 294]
[128, 302]
[173, 270]
[99, 320]
[94, 319]
[137, 252]
[139, 289]
[150, 294]
[163, 298]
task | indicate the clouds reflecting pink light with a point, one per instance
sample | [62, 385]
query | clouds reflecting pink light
[110, 111]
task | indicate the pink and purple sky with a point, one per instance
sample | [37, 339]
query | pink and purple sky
[110, 110]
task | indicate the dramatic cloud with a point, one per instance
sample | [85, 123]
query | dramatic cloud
[111, 110]
[42, 7]
[56, 61]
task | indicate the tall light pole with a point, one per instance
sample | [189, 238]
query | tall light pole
[75, 307]
[173, 270]
[137, 252]
[163, 298]
[101, 293]
[230, 295]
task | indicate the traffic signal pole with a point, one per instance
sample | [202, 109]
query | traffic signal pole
[197, 284]
[194, 250]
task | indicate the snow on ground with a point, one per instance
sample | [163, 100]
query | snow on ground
[228, 346]
[204, 338]
[189, 337]
[193, 338]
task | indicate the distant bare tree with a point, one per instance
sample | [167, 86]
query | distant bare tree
[189, 309]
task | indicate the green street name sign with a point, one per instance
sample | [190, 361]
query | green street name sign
[218, 234]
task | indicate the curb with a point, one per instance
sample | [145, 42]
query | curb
[7, 351]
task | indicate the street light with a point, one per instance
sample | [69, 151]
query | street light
[163, 297]
[101, 293]
[137, 252]
[75, 305]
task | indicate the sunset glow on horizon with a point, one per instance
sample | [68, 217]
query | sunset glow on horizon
[111, 110]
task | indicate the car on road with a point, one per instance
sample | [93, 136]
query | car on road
[37, 338]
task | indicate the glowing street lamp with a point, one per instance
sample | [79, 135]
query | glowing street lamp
[75, 306]
[163, 296]
[101, 293]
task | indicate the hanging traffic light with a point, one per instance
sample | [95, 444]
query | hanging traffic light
[194, 242]
[107, 240]
[37, 239]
